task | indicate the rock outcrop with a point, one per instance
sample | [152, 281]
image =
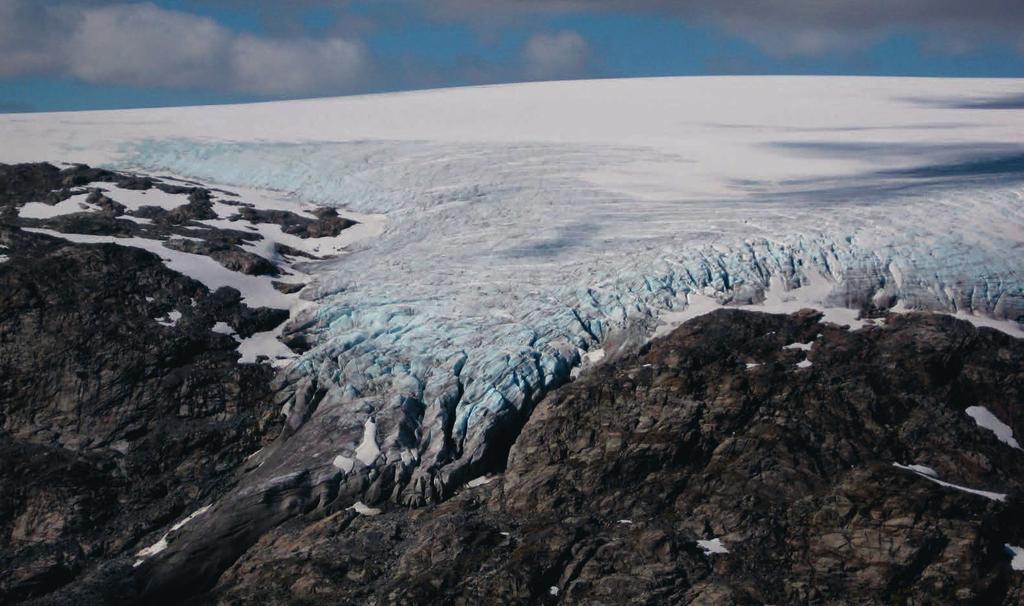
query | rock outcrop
[746, 458]
[121, 409]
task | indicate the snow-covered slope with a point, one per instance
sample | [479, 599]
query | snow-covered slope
[528, 224]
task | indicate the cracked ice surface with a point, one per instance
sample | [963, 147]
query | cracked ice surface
[489, 286]
[529, 225]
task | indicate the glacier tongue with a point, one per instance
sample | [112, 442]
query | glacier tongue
[501, 266]
[529, 227]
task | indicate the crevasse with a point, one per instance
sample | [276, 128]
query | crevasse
[502, 264]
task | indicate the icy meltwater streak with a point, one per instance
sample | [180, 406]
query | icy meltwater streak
[929, 474]
[163, 543]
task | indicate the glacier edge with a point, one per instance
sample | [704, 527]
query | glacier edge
[445, 337]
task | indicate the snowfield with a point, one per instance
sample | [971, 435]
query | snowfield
[529, 224]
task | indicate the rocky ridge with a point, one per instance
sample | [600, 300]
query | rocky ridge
[124, 406]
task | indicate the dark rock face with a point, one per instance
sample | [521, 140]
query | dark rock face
[116, 420]
[227, 254]
[328, 223]
[113, 425]
[22, 183]
[41, 182]
[615, 477]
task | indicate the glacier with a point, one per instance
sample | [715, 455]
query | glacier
[528, 225]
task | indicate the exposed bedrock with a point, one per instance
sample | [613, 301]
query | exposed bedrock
[189, 218]
[771, 439]
[121, 411]
[123, 405]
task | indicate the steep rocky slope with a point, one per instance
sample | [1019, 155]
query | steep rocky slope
[123, 405]
[113, 424]
[717, 431]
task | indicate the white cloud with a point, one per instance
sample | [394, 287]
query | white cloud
[789, 27]
[145, 45]
[29, 38]
[563, 54]
[141, 44]
[280, 67]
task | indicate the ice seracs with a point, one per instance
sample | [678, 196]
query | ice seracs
[530, 224]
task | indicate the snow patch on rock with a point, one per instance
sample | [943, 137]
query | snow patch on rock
[39, 210]
[986, 420]
[932, 476]
[712, 546]
[799, 346]
[368, 450]
[171, 319]
[1017, 556]
[365, 510]
[344, 463]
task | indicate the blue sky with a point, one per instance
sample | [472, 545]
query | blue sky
[89, 54]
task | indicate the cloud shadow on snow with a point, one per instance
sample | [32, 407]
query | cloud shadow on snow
[566, 238]
[944, 166]
[1014, 101]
